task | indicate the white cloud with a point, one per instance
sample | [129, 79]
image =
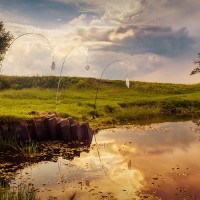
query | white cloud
[171, 71]
[109, 30]
[79, 21]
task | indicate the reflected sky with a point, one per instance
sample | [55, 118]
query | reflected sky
[159, 161]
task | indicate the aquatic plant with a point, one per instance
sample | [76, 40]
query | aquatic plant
[72, 197]
[22, 192]
[26, 148]
[8, 143]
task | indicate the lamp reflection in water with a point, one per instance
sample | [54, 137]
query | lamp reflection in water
[94, 111]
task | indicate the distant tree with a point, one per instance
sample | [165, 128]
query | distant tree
[5, 39]
[197, 69]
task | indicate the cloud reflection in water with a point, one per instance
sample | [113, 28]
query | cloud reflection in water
[155, 162]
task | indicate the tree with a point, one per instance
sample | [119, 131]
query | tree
[197, 69]
[5, 39]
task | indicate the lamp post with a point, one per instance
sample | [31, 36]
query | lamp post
[99, 80]
[97, 90]
[38, 34]
[61, 71]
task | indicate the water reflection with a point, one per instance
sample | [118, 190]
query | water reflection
[159, 161]
[11, 162]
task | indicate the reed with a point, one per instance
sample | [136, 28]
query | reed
[27, 148]
[22, 192]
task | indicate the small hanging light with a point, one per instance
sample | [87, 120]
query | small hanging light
[127, 83]
[87, 67]
[53, 66]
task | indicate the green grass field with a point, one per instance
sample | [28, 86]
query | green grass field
[115, 103]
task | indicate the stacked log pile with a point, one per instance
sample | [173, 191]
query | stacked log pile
[48, 127]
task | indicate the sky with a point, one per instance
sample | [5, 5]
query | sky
[146, 40]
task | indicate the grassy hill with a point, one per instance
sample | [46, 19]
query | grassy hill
[115, 102]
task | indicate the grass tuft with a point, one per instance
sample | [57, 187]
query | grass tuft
[22, 192]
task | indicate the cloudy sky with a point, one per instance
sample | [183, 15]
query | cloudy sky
[157, 40]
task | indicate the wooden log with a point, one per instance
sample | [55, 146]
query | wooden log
[76, 131]
[4, 128]
[24, 132]
[13, 129]
[1, 132]
[9, 129]
[48, 128]
[90, 133]
[86, 131]
[63, 130]
[50, 123]
[40, 130]
[71, 120]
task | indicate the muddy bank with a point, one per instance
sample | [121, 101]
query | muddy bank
[46, 126]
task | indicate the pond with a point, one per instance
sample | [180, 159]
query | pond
[157, 161]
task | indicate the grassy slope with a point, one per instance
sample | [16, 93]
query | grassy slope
[115, 103]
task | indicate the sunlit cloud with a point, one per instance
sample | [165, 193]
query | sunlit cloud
[156, 41]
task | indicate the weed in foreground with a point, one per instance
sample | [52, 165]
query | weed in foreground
[22, 192]
[27, 148]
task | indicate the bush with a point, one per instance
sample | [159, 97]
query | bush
[109, 109]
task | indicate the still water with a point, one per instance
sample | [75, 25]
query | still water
[157, 161]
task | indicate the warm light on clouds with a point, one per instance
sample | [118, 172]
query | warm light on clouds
[159, 39]
[121, 36]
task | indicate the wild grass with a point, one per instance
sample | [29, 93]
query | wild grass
[72, 197]
[8, 143]
[115, 103]
[22, 192]
[27, 148]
